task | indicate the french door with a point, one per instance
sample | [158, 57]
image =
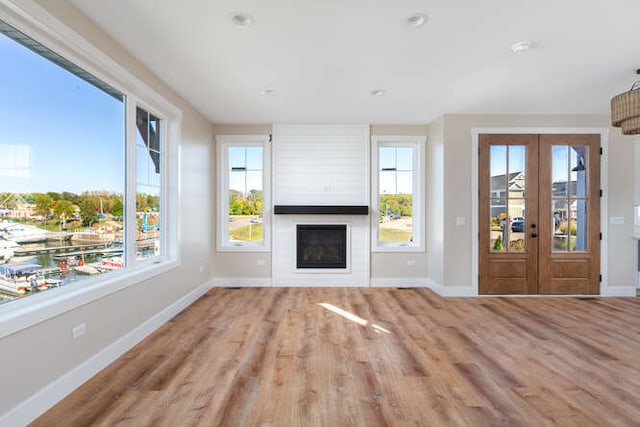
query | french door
[539, 214]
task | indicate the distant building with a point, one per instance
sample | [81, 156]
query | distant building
[15, 206]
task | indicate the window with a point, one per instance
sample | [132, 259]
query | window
[149, 183]
[83, 172]
[243, 181]
[397, 197]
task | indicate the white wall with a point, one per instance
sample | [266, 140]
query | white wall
[435, 202]
[33, 358]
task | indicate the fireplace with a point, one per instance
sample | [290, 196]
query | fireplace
[321, 246]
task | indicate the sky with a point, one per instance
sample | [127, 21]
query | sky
[517, 160]
[398, 176]
[57, 132]
[249, 158]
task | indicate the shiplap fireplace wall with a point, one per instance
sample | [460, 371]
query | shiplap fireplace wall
[321, 165]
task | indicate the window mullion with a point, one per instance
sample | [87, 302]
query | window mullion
[130, 182]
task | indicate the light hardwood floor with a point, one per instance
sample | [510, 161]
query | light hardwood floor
[373, 357]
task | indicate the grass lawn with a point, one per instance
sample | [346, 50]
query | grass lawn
[394, 235]
[242, 233]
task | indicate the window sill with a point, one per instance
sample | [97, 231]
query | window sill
[243, 248]
[18, 315]
[397, 248]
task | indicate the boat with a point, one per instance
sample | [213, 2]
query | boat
[7, 248]
[24, 233]
[112, 263]
[17, 279]
[88, 269]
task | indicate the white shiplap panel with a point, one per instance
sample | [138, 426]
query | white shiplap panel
[321, 164]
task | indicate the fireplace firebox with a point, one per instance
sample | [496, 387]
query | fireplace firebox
[321, 246]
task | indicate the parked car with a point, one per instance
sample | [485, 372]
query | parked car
[517, 226]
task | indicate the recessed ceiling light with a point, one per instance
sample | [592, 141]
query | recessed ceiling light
[416, 20]
[520, 47]
[241, 19]
[268, 92]
[378, 92]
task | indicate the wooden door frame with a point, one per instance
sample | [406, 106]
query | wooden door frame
[604, 214]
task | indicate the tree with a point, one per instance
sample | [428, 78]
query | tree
[153, 203]
[141, 202]
[118, 208]
[89, 210]
[63, 209]
[54, 196]
[43, 204]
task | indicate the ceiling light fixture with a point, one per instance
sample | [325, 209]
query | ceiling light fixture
[520, 47]
[625, 110]
[378, 92]
[268, 92]
[241, 19]
[416, 20]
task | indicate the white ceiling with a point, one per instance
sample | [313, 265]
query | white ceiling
[324, 57]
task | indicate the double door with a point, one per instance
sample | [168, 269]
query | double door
[539, 214]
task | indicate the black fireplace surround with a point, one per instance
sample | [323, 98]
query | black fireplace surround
[321, 246]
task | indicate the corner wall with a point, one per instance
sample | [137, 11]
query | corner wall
[44, 353]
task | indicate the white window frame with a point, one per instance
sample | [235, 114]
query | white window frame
[31, 19]
[417, 142]
[223, 142]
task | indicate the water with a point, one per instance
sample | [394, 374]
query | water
[47, 260]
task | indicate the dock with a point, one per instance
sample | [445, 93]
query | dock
[95, 248]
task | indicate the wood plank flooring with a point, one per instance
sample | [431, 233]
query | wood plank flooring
[373, 357]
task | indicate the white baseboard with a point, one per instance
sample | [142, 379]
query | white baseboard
[399, 282]
[242, 282]
[41, 401]
[453, 291]
[618, 291]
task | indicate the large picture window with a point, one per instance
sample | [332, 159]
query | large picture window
[397, 192]
[243, 183]
[82, 174]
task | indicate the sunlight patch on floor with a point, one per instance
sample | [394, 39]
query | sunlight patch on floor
[350, 316]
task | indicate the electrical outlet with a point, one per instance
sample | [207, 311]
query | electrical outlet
[79, 330]
[616, 220]
[411, 263]
[261, 262]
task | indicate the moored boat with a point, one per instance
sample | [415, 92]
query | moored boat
[112, 263]
[20, 278]
[7, 250]
[24, 233]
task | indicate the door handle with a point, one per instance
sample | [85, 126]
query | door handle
[534, 234]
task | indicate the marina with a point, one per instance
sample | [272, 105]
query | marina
[33, 259]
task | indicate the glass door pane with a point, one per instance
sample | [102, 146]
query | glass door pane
[569, 197]
[507, 198]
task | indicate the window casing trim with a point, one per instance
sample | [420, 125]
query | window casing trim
[33, 20]
[417, 142]
[223, 142]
